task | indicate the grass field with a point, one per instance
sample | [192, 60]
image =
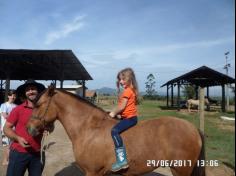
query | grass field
[219, 134]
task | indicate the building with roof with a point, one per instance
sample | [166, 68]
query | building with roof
[54, 65]
[200, 77]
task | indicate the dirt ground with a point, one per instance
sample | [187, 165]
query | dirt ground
[60, 160]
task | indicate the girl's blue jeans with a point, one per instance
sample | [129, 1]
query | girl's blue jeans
[120, 127]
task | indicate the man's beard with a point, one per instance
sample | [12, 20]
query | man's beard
[31, 99]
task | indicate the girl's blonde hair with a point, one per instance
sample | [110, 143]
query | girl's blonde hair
[128, 75]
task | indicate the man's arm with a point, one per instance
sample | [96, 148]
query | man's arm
[9, 132]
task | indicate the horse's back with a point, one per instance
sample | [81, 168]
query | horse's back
[165, 130]
[167, 138]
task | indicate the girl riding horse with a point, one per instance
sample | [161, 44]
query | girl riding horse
[128, 111]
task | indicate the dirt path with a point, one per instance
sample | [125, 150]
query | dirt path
[60, 159]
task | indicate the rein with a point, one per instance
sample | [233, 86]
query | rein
[45, 133]
[42, 148]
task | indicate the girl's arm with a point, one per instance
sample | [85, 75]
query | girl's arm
[4, 114]
[119, 108]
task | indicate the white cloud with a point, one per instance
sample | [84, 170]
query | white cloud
[137, 55]
[177, 46]
[65, 30]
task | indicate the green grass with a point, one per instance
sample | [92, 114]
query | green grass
[220, 140]
[219, 134]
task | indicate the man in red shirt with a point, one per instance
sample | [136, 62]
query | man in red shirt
[24, 149]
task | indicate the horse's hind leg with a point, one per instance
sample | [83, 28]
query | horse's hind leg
[188, 105]
[181, 171]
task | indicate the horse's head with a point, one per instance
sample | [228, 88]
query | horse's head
[44, 113]
[206, 100]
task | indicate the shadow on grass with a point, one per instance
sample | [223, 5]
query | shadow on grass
[229, 165]
[169, 108]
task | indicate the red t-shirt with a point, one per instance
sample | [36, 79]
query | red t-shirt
[130, 109]
[19, 117]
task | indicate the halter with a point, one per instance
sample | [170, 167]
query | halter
[45, 133]
[42, 118]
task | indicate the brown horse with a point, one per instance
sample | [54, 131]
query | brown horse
[150, 144]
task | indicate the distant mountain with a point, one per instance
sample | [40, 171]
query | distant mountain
[106, 90]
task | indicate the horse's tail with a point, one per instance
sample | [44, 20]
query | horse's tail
[200, 170]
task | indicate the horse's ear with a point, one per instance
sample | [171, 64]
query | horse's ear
[51, 90]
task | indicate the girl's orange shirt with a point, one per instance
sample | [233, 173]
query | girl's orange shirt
[131, 108]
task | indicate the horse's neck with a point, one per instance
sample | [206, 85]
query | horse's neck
[78, 117]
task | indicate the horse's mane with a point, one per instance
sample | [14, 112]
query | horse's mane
[81, 99]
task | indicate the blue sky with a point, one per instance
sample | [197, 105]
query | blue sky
[164, 37]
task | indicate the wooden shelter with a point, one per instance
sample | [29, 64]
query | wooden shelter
[203, 77]
[22, 64]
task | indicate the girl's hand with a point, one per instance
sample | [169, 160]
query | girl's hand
[112, 114]
[118, 117]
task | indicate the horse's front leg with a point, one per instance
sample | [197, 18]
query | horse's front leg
[189, 106]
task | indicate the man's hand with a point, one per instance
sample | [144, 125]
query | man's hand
[22, 142]
[9, 132]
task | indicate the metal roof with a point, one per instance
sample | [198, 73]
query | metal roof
[202, 76]
[22, 64]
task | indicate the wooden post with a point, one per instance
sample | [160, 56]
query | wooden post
[61, 83]
[223, 98]
[196, 92]
[172, 95]
[167, 96]
[201, 108]
[178, 98]
[84, 88]
[1, 85]
[227, 97]
[208, 106]
[7, 88]
[208, 92]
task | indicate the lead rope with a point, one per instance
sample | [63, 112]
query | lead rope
[42, 148]
[45, 134]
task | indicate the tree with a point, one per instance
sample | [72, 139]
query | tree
[150, 86]
[232, 89]
[189, 91]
